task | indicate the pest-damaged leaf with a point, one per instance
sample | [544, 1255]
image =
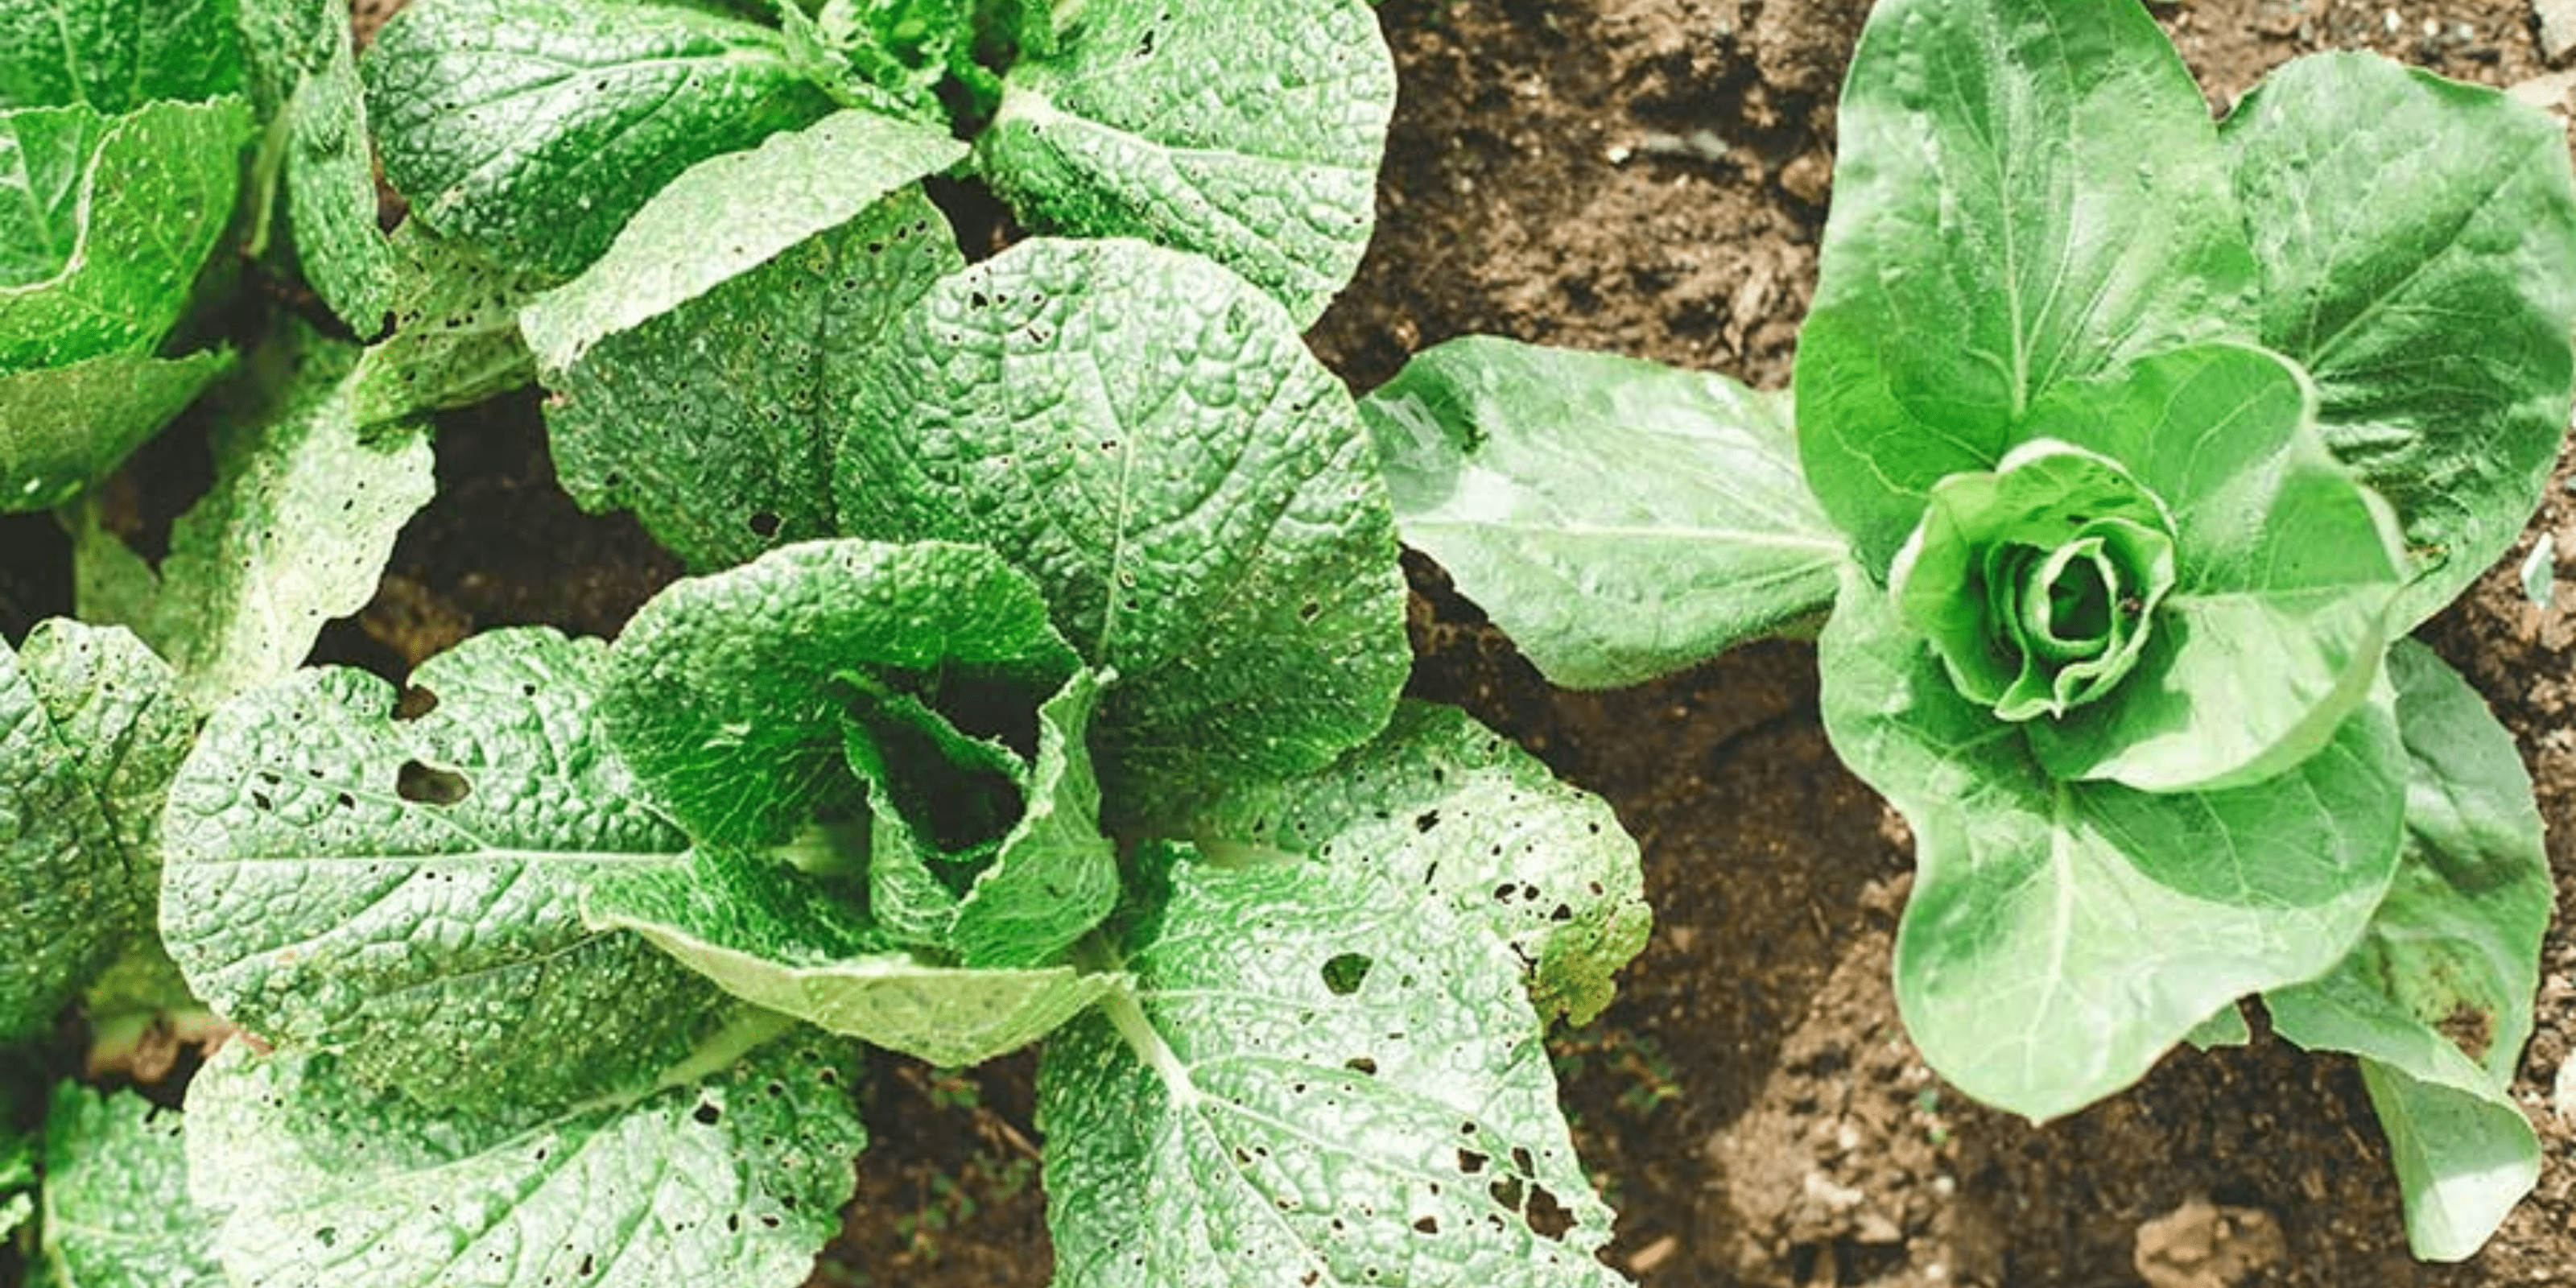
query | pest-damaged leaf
[116, 1206]
[1441, 803]
[403, 888]
[2437, 998]
[535, 130]
[1322, 1076]
[304, 80]
[89, 738]
[1247, 132]
[2424, 271]
[730, 1168]
[2025, 194]
[455, 340]
[64, 427]
[109, 223]
[296, 530]
[117, 55]
[2062, 935]
[1189, 487]
[781, 939]
[1494, 452]
[702, 381]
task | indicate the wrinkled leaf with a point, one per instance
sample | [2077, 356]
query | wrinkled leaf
[2437, 999]
[1189, 487]
[2424, 271]
[111, 220]
[2063, 935]
[780, 939]
[116, 1207]
[2025, 194]
[1248, 132]
[1619, 520]
[304, 77]
[455, 340]
[117, 55]
[535, 130]
[62, 428]
[731, 1169]
[405, 890]
[1440, 802]
[1323, 1076]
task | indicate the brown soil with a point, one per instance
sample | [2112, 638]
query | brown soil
[1650, 177]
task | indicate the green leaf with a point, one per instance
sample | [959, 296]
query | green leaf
[783, 940]
[2025, 194]
[704, 382]
[116, 1204]
[2285, 567]
[120, 214]
[1248, 132]
[1619, 520]
[17, 1180]
[2062, 935]
[304, 74]
[404, 890]
[116, 55]
[717, 423]
[1055, 876]
[1440, 802]
[730, 214]
[2437, 999]
[296, 530]
[88, 741]
[455, 340]
[2424, 271]
[535, 130]
[723, 693]
[731, 1169]
[1324, 1077]
[1191, 489]
[62, 428]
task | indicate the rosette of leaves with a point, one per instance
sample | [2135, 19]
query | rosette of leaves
[587, 150]
[125, 124]
[1090, 737]
[2123, 445]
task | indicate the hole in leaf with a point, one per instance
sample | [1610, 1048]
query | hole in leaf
[1427, 1225]
[1471, 1162]
[708, 1114]
[423, 785]
[1345, 973]
[1426, 820]
[1361, 1064]
[415, 703]
[1548, 1219]
[1506, 1191]
[764, 525]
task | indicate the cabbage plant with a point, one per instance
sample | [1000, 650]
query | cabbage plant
[2124, 450]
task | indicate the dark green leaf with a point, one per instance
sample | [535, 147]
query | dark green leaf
[117, 55]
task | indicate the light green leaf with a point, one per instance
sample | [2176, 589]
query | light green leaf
[2285, 568]
[2063, 935]
[405, 890]
[1323, 1077]
[1619, 520]
[2025, 194]
[295, 532]
[88, 740]
[2437, 999]
[1191, 489]
[1440, 802]
[455, 340]
[725, 693]
[304, 72]
[1248, 132]
[730, 214]
[2225, 1027]
[731, 1169]
[117, 217]
[717, 422]
[62, 428]
[1055, 876]
[2434, 308]
[116, 55]
[17, 1181]
[534, 131]
[116, 1208]
[780, 939]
